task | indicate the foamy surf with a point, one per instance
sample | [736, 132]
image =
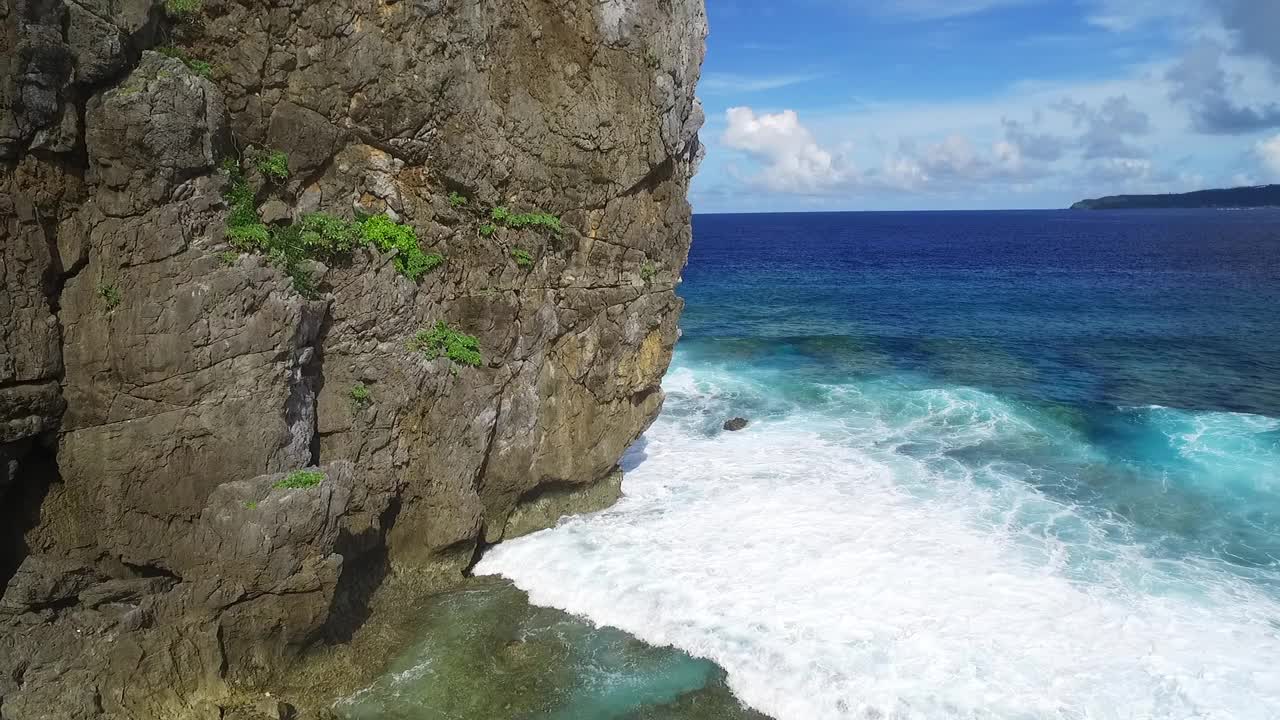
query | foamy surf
[877, 551]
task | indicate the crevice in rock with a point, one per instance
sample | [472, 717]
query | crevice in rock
[477, 552]
[317, 384]
[365, 566]
[37, 470]
[151, 571]
[301, 405]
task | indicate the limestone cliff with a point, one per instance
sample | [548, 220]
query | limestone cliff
[160, 378]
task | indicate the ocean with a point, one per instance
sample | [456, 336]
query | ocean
[1007, 465]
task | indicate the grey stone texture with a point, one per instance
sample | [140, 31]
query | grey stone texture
[154, 387]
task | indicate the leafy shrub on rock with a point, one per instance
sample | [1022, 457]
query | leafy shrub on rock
[315, 236]
[274, 165]
[444, 341]
[385, 234]
[300, 480]
[517, 221]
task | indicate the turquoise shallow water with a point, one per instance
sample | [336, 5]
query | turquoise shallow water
[999, 465]
[484, 652]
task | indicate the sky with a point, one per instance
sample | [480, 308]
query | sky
[984, 104]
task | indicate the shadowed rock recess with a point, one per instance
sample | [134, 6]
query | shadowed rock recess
[158, 382]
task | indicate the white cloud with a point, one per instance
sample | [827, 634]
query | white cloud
[715, 82]
[1201, 82]
[936, 9]
[1269, 153]
[1055, 140]
[1126, 15]
[1253, 24]
[1108, 126]
[793, 160]
[1120, 169]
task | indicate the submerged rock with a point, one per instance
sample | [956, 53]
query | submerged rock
[485, 652]
[736, 424]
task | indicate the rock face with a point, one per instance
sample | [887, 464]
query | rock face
[155, 385]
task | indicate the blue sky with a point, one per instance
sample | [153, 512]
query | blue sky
[942, 104]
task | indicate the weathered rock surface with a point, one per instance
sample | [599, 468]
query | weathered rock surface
[154, 387]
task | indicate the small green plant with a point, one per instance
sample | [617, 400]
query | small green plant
[229, 257]
[251, 505]
[648, 270]
[183, 9]
[244, 207]
[315, 236]
[274, 165]
[386, 234]
[199, 67]
[522, 257]
[502, 216]
[304, 283]
[444, 341]
[300, 479]
[326, 236]
[360, 394]
[488, 229]
[110, 295]
[457, 200]
[249, 238]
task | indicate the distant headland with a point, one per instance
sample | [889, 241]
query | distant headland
[1241, 197]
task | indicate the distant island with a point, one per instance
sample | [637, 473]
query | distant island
[1241, 197]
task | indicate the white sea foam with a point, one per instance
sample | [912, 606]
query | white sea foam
[834, 575]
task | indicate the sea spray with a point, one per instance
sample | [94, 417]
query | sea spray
[898, 551]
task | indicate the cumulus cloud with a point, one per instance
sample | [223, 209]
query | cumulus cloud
[955, 163]
[1108, 127]
[1200, 82]
[1268, 152]
[1119, 170]
[793, 160]
[1255, 25]
[1033, 145]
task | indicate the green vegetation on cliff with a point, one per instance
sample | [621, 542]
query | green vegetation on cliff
[517, 221]
[648, 270]
[360, 394]
[522, 257]
[183, 9]
[316, 236]
[197, 66]
[274, 165]
[444, 341]
[385, 234]
[300, 480]
[110, 295]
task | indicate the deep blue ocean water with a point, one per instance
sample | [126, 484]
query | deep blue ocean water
[1119, 308]
[1013, 465]
[1137, 330]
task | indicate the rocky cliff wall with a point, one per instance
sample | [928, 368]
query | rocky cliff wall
[160, 377]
